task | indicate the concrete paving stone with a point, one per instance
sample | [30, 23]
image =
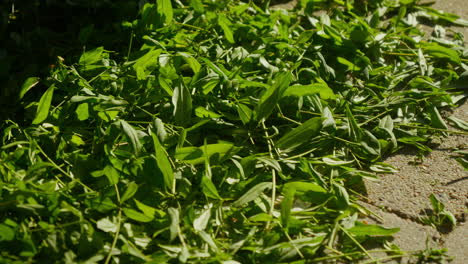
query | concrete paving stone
[457, 243]
[413, 237]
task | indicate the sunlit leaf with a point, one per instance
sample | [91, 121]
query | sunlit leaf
[209, 189]
[132, 135]
[195, 155]
[300, 134]
[174, 227]
[182, 101]
[132, 188]
[372, 230]
[107, 225]
[146, 64]
[137, 216]
[305, 90]
[44, 105]
[112, 174]
[271, 96]
[441, 52]
[82, 112]
[28, 85]
[165, 10]
[202, 220]
[91, 57]
[225, 24]
[163, 162]
[252, 193]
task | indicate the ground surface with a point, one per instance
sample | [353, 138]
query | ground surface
[401, 199]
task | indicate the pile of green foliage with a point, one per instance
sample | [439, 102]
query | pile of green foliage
[225, 133]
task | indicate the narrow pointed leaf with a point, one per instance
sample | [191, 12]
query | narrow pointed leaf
[304, 90]
[27, 85]
[209, 189]
[132, 188]
[174, 227]
[165, 10]
[270, 98]
[132, 135]
[163, 163]
[300, 134]
[225, 24]
[372, 230]
[253, 193]
[182, 101]
[137, 216]
[44, 106]
[146, 64]
[202, 220]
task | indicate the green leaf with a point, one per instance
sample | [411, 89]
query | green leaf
[383, 168]
[44, 105]
[146, 64]
[6, 233]
[165, 10]
[221, 74]
[204, 113]
[308, 191]
[137, 216]
[252, 194]
[147, 210]
[194, 155]
[349, 65]
[225, 24]
[209, 189]
[306, 90]
[440, 52]
[355, 132]
[107, 225]
[91, 57]
[436, 204]
[286, 205]
[436, 119]
[208, 238]
[361, 230]
[182, 101]
[197, 5]
[342, 195]
[328, 119]
[82, 112]
[245, 113]
[270, 98]
[463, 162]
[158, 125]
[112, 174]
[191, 61]
[335, 161]
[27, 85]
[386, 122]
[132, 135]
[461, 124]
[202, 220]
[300, 134]
[132, 188]
[174, 227]
[163, 163]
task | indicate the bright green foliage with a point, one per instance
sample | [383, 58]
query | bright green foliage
[229, 134]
